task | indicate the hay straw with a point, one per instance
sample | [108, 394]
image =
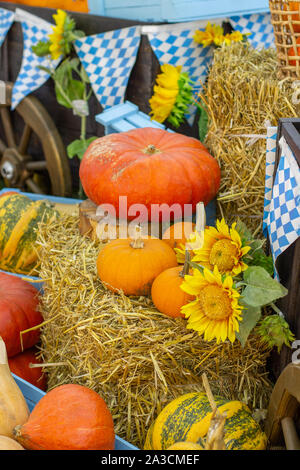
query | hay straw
[242, 95]
[123, 348]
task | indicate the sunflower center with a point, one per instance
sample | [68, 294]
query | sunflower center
[222, 255]
[215, 302]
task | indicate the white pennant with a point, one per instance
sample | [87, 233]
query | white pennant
[30, 77]
[108, 59]
[6, 20]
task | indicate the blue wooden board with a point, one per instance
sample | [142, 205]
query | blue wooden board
[171, 11]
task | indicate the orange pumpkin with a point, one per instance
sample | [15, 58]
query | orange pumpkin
[178, 233]
[69, 417]
[132, 265]
[151, 167]
[18, 311]
[292, 53]
[292, 7]
[20, 366]
[166, 293]
[71, 5]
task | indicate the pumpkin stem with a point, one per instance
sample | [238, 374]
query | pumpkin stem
[151, 150]
[186, 266]
[137, 242]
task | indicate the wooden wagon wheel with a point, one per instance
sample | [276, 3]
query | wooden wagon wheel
[283, 407]
[45, 170]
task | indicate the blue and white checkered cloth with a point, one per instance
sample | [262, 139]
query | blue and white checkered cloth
[30, 77]
[260, 27]
[269, 175]
[178, 47]
[6, 20]
[283, 216]
[108, 59]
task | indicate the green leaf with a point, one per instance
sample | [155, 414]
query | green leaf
[251, 315]
[41, 49]
[78, 147]
[45, 69]
[261, 289]
[202, 124]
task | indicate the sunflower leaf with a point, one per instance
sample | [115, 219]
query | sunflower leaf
[251, 315]
[261, 289]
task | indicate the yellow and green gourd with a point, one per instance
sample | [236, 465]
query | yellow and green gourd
[19, 219]
[187, 418]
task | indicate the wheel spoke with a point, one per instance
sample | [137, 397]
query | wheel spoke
[35, 188]
[36, 166]
[8, 129]
[25, 139]
[2, 147]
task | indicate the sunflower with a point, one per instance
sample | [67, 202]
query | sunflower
[222, 248]
[213, 34]
[172, 95]
[193, 244]
[165, 92]
[235, 36]
[216, 311]
[57, 37]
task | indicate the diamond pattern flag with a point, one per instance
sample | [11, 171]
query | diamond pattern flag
[284, 213]
[6, 20]
[30, 77]
[177, 47]
[269, 175]
[260, 27]
[108, 59]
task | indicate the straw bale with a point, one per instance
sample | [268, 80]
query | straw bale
[243, 95]
[123, 348]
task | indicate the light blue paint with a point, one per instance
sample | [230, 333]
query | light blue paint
[172, 11]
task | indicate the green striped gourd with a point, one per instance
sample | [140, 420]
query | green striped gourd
[187, 418]
[19, 219]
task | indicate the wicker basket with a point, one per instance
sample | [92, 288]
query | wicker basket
[285, 17]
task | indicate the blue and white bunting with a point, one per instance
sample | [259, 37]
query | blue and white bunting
[6, 20]
[260, 27]
[284, 211]
[108, 59]
[176, 46]
[30, 77]
[269, 174]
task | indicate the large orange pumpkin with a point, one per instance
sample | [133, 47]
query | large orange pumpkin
[149, 166]
[20, 365]
[132, 265]
[69, 417]
[18, 312]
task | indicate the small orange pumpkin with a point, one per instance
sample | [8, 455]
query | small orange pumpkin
[132, 265]
[69, 417]
[166, 293]
[178, 233]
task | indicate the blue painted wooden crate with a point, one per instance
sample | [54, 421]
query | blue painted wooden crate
[125, 117]
[173, 11]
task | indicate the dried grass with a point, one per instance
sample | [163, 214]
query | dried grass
[242, 95]
[123, 348]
